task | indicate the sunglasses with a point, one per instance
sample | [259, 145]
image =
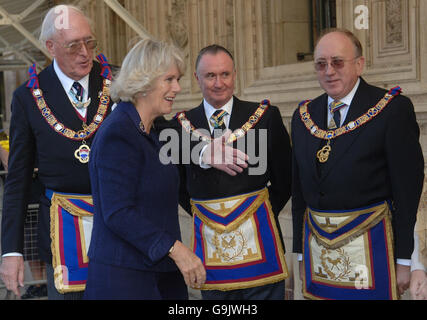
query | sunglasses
[336, 63]
[75, 46]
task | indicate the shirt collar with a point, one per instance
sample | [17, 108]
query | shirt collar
[349, 97]
[209, 109]
[67, 82]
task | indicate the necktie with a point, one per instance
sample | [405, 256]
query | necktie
[217, 120]
[79, 91]
[334, 108]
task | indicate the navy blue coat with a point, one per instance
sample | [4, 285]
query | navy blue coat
[135, 196]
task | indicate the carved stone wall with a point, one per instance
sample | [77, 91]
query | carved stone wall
[255, 31]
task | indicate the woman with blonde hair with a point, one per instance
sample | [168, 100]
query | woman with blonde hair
[136, 250]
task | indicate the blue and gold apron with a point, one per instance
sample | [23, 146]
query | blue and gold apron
[238, 241]
[71, 221]
[349, 254]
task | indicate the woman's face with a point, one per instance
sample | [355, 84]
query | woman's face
[164, 91]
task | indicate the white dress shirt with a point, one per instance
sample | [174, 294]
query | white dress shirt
[67, 84]
[347, 100]
[209, 111]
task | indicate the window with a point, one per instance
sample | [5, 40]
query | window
[291, 29]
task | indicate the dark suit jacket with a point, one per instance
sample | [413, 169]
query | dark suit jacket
[31, 139]
[381, 160]
[211, 183]
[135, 196]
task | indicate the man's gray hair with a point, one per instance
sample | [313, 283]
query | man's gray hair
[49, 26]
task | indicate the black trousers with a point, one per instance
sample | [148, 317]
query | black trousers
[273, 291]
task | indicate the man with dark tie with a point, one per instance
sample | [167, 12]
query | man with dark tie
[358, 170]
[236, 232]
[55, 116]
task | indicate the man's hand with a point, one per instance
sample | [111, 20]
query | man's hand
[418, 286]
[12, 273]
[403, 275]
[223, 157]
[189, 265]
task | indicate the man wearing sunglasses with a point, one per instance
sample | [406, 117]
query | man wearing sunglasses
[55, 116]
[358, 170]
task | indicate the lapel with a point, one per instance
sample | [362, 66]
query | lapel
[318, 110]
[239, 114]
[341, 145]
[197, 117]
[57, 99]
[95, 87]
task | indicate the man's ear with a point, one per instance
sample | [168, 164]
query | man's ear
[50, 47]
[360, 65]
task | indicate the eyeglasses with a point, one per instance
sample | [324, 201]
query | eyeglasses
[336, 63]
[75, 46]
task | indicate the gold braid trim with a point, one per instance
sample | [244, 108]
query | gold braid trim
[280, 250]
[71, 208]
[57, 201]
[54, 233]
[380, 212]
[247, 284]
[395, 295]
[262, 196]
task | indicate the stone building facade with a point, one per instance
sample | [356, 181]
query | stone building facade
[271, 41]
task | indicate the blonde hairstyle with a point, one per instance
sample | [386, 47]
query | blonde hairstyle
[143, 64]
[50, 26]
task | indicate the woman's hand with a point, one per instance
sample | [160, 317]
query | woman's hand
[189, 265]
[418, 286]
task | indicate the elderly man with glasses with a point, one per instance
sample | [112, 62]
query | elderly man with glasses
[55, 116]
[358, 171]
